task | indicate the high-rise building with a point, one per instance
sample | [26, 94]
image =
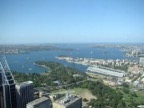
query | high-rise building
[42, 102]
[7, 86]
[25, 93]
[69, 101]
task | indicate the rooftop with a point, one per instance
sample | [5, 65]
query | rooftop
[38, 101]
[68, 99]
[106, 71]
[23, 84]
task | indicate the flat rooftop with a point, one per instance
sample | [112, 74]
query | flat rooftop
[106, 71]
[67, 100]
[38, 101]
[23, 84]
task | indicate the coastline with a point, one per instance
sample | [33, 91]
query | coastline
[43, 66]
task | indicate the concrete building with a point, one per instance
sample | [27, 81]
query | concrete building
[106, 71]
[142, 61]
[25, 93]
[69, 101]
[7, 86]
[42, 102]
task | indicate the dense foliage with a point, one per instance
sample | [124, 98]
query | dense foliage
[38, 79]
[106, 96]
[57, 72]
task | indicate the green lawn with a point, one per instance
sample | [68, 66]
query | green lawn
[84, 93]
[129, 98]
[140, 96]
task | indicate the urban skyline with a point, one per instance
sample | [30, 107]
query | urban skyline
[72, 21]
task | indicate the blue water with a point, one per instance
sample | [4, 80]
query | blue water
[24, 62]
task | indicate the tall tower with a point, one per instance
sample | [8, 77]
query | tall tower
[25, 93]
[7, 86]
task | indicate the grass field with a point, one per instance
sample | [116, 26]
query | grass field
[140, 96]
[139, 99]
[84, 93]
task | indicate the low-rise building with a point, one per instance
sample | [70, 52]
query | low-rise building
[69, 101]
[106, 71]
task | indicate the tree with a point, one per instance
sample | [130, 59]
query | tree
[85, 100]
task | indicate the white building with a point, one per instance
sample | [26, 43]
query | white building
[106, 71]
[142, 60]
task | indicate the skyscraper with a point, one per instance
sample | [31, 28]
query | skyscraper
[7, 86]
[25, 93]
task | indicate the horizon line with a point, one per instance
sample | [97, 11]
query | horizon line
[71, 43]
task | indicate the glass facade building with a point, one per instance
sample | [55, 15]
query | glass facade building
[7, 86]
[25, 93]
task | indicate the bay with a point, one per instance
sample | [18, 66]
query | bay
[24, 62]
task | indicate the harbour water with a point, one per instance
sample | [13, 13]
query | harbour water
[24, 62]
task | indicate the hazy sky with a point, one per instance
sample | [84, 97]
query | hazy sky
[68, 21]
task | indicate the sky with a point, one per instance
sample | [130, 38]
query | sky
[71, 21]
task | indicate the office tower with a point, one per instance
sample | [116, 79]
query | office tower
[25, 93]
[7, 86]
[1, 92]
[42, 102]
[69, 101]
